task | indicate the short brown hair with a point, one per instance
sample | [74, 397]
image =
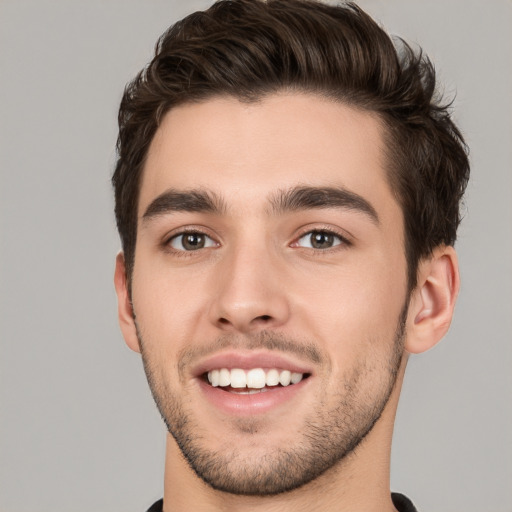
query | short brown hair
[250, 48]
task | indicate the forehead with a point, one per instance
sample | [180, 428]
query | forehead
[244, 152]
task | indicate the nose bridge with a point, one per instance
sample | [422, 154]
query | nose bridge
[250, 292]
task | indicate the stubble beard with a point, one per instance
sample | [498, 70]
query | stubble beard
[327, 438]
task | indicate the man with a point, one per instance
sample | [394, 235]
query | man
[287, 195]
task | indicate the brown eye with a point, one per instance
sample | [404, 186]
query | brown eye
[319, 240]
[191, 241]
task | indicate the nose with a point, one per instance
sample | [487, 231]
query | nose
[250, 292]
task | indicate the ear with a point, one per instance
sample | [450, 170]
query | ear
[124, 305]
[433, 300]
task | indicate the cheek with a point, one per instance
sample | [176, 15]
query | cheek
[359, 304]
[166, 309]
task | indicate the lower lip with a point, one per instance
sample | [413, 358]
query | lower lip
[257, 403]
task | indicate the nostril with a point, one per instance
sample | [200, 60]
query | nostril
[243, 324]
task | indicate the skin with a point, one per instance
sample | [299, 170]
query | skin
[258, 278]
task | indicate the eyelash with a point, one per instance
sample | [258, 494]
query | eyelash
[188, 231]
[343, 241]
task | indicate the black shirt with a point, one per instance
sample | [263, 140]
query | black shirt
[401, 503]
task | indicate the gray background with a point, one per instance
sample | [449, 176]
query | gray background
[78, 428]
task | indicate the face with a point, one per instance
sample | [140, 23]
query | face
[269, 286]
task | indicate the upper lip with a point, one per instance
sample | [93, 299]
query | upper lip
[250, 359]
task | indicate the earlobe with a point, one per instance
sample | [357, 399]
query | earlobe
[433, 300]
[124, 305]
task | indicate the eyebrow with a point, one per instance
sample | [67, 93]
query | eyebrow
[306, 198]
[195, 200]
[282, 201]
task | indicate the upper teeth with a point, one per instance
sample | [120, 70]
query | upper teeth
[255, 378]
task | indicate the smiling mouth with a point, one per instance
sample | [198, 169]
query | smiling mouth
[255, 380]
